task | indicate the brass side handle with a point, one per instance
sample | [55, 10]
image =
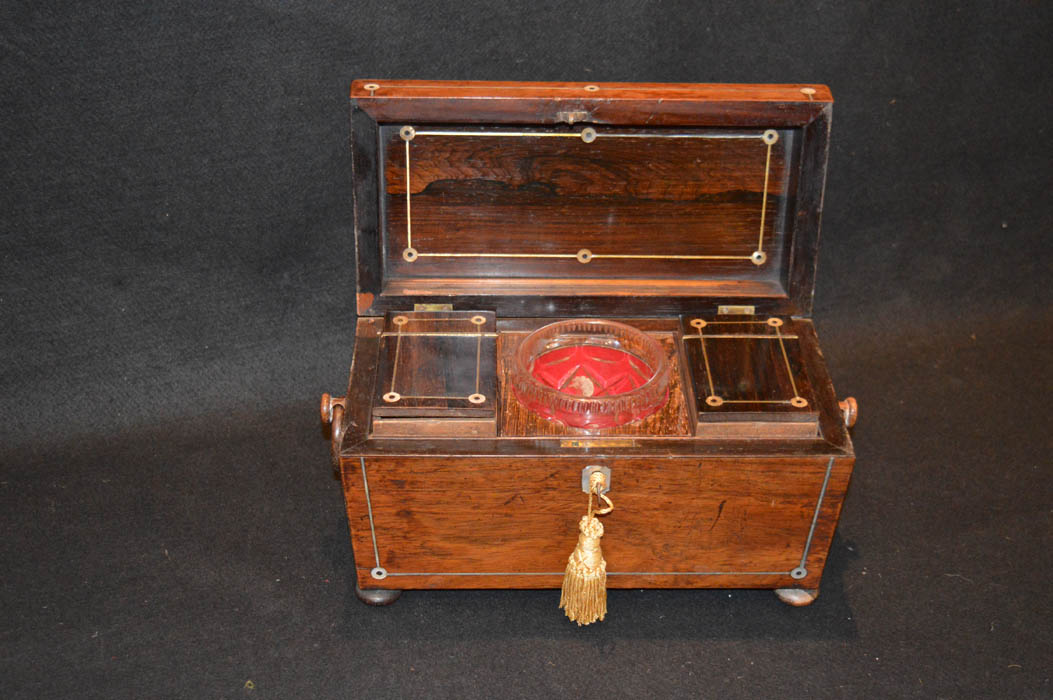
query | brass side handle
[332, 412]
[849, 410]
[329, 403]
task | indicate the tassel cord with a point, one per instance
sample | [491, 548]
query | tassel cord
[584, 595]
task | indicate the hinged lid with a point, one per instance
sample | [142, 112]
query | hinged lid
[570, 199]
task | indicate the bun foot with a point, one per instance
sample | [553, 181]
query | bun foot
[797, 597]
[377, 596]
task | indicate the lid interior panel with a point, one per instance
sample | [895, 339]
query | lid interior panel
[481, 210]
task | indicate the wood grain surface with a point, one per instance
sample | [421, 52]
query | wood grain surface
[614, 196]
[473, 195]
[653, 104]
[745, 364]
[440, 360]
[728, 521]
[832, 437]
[704, 498]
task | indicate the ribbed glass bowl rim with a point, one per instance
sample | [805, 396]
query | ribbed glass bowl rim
[531, 345]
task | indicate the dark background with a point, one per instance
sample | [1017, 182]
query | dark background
[176, 291]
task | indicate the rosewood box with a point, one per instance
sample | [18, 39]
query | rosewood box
[671, 233]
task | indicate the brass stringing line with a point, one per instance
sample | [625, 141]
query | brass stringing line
[680, 136]
[560, 135]
[409, 231]
[577, 135]
[478, 360]
[369, 506]
[417, 319]
[672, 257]
[452, 334]
[532, 90]
[395, 364]
[496, 255]
[766, 336]
[609, 573]
[705, 358]
[815, 515]
[398, 343]
[409, 234]
[764, 199]
[786, 357]
[783, 401]
[571, 255]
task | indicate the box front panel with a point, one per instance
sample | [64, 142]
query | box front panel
[512, 522]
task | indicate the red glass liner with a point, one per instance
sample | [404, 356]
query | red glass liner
[591, 373]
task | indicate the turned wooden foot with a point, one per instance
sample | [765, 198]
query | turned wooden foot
[377, 596]
[797, 597]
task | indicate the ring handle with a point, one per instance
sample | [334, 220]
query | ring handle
[849, 410]
[327, 407]
[338, 434]
[332, 414]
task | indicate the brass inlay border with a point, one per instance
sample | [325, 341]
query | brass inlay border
[797, 398]
[412, 334]
[395, 367]
[715, 401]
[595, 256]
[399, 321]
[742, 335]
[770, 137]
[369, 507]
[801, 571]
[380, 573]
[609, 573]
[409, 199]
[673, 89]
[410, 253]
[588, 135]
[577, 135]
[478, 364]
[709, 373]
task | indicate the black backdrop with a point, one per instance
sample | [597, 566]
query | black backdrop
[177, 290]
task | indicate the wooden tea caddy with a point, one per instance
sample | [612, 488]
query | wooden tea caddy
[486, 210]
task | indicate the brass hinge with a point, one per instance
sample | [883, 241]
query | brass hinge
[732, 310]
[572, 117]
[433, 307]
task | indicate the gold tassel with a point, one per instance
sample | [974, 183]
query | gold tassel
[584, 596]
